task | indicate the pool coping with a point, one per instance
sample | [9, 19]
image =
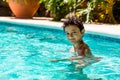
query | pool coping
[107, 29]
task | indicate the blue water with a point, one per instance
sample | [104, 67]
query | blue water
[26, 51]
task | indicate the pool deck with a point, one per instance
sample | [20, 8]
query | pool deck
[109, 29]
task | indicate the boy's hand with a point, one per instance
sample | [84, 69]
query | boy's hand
[76, 58]
[72, 58]
[54, 60]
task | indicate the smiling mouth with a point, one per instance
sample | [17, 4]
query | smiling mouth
[72, 39]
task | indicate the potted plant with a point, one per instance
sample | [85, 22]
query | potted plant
[23, 8]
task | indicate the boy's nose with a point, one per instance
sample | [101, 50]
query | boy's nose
[71, 35]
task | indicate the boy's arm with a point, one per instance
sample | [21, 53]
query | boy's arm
[88, 52]
[56, 60]
[89, 55]
[68, 59]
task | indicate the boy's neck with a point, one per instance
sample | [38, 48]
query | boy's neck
[78, 45]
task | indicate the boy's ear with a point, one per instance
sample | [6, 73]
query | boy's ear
[83, 31]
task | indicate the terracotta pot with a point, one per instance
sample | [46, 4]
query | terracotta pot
[22, 9]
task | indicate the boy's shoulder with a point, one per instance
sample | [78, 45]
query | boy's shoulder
[87, 49]
[86, 45]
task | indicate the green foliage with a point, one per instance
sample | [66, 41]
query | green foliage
[59, 8]
[98, 11]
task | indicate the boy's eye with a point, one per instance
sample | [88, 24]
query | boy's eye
[74, 32]
[67, 33]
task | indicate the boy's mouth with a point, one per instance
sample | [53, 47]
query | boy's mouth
[72, 40]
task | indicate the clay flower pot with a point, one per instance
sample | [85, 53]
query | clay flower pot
[23, 8]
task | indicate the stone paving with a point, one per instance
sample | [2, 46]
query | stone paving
[98, 28]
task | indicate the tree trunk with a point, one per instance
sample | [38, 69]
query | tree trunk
[109, 12]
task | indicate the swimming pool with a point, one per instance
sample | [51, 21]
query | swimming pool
[25, 51]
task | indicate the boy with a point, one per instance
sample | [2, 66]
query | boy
[74, 30]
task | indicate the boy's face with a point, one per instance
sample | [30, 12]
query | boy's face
[73, 33]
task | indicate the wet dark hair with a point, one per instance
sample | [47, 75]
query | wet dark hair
[73, 21]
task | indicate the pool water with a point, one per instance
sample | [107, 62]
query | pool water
[26, 51]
